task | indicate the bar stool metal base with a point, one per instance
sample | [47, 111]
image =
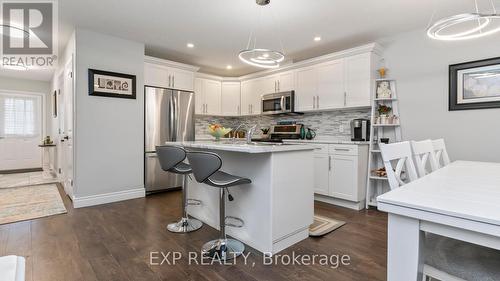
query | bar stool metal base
[223, 249]
[184, 225]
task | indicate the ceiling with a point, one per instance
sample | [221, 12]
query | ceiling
[219, 29]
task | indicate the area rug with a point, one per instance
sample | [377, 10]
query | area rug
[323, 225]
[24, 179]
[29, 202]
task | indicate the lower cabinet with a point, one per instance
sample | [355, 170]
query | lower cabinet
[340, 173]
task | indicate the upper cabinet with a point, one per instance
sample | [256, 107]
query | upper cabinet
[230, 99]
[282, 82]
[359, 74]
[168, 74]
[251, 96]
[207, 96]
[336, 84]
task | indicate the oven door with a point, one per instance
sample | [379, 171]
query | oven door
[277, 103]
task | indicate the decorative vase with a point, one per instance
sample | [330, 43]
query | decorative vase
[384, 119]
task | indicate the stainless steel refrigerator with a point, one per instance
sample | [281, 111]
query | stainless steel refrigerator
[169, 116]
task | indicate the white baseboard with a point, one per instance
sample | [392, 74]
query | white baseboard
[340, 202]
[92, 200]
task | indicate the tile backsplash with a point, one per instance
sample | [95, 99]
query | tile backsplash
[326, 124]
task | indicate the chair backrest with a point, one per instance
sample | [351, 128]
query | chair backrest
[442, 156]
[169, 156]
[423, 153]
[400, 152]
[204, 164]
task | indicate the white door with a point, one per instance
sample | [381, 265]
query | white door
[286, 81]
[306, 88]
[331, 85]
[358, 80]
[199, 97]
[155, 75]
[251, 97]
[321, 173]
[230, 99]
[343, 178]
[20, 130]
[212, 92]
[67, 130]
[182, 80]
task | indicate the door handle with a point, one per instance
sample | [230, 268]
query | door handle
[329, 163]
[282, 103]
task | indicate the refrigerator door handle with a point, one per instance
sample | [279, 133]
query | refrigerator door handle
[171, 119]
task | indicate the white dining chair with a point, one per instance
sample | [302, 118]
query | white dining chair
[442, 156]
[402, 155]
[423, 155]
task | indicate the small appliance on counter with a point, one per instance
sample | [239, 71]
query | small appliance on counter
[360, 130]
[285, 131]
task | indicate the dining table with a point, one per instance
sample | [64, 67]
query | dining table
[460, 201]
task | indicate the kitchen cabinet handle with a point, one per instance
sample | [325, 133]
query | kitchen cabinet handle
[169, 80]
[279, 86]
[342, 149]
[314, 101]
[345, 98]
[329, 163]
[173, 81]
[238, 110]
[317, 101]
[275, 86]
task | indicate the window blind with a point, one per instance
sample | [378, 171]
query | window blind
[20, 115]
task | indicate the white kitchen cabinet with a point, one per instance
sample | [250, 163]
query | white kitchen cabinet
[330, 94]
[282, 82]
[321, 173]
[343, 178]
[207, 96]
[358, 80]
[306, 89]
[230, 98]
[158, 75]
[251, 96]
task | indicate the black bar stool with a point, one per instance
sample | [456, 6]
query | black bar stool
[206, 167]
[171, 160]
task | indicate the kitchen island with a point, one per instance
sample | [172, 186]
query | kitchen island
[277, 207]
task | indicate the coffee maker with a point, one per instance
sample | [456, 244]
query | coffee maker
[360, 130]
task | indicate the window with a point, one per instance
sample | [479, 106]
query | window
[19, 115]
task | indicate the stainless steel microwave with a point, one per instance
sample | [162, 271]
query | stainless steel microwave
[278, 103]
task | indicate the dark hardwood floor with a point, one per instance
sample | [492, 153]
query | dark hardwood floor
[114, 241]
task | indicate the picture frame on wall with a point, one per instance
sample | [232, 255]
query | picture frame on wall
[474, 85]
[112, 84]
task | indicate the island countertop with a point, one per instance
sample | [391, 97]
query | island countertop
[239, 146]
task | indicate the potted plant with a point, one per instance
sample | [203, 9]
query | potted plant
[383, 112]
[265, 132]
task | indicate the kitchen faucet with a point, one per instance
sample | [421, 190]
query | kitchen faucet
[250, 133]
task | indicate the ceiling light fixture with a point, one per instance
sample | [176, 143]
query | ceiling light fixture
[190, 45]
[317, 38]
[465, 26]
[261, 57]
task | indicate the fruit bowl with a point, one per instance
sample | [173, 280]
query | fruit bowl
[218, 131]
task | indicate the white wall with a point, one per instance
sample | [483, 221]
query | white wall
[420, 66]
[109, 132]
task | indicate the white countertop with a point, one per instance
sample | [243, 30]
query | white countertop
[463, 189]
[239, 146]
[317, 140]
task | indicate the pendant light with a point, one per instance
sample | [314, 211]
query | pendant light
[261, 57]
[466, 26]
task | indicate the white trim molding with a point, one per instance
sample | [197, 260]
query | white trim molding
[169, 63]
[99, 199]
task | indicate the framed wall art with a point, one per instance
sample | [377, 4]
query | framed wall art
[111, 84]
[475, 85]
